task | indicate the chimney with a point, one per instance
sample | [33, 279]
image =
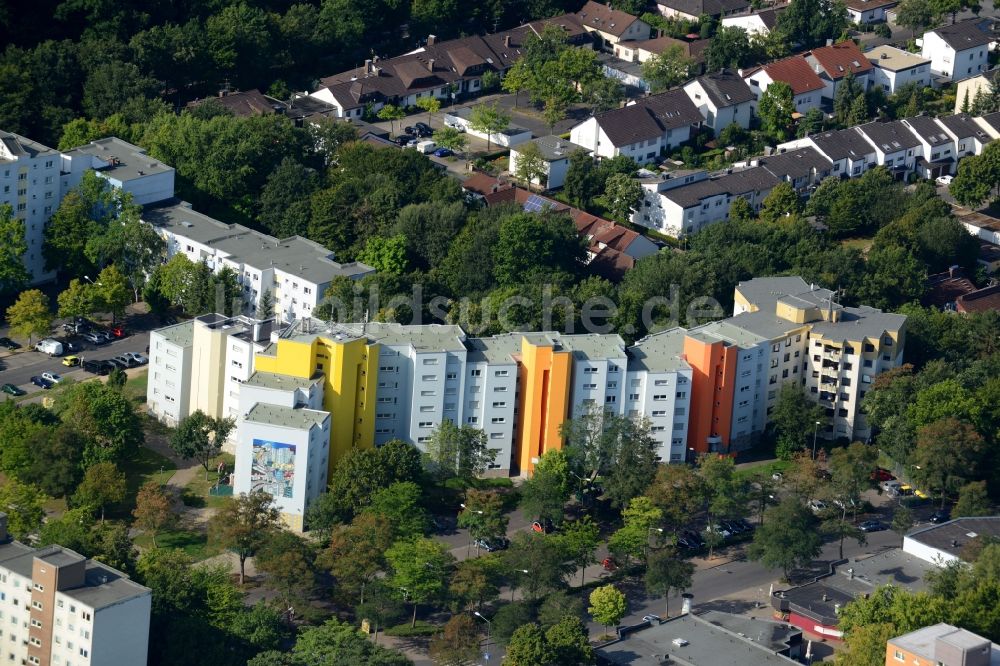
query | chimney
[430, 64]
[431, 39]
[506, 41]
[954, 271]
[368, 66]
[3, 527]
[829, 42]
[686, 604]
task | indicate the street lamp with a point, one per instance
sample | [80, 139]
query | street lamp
[489, 631]
[815, 433]
[524, 571]
[469, 549]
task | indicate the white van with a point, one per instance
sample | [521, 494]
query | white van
[426, 147]
[50, 347]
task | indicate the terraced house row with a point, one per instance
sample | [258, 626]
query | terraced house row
[304, 394]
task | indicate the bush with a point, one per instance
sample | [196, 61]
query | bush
[421, 628]
[882, 30]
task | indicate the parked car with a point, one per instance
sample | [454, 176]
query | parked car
[719, 530]
[444, 152]
[492, 545]
[125, 360]
[881, 475]
[71, 361]
[115, 364]
[454, 124]
[940, 516]
[609, 564]
[38, 380]
[50, 347]
[944, 180]
[423, 129]
[652, 619]
[96, 367]
[404, 139]
[117, 331]
[52, 377]
[694, 538]
[890, 487]
[96, 338]
[71, 345]
[872, 526]
[817, 505]
[140, 359]
[10, 389]
[9, 344]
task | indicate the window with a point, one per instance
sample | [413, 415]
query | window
[430, 361]
[498, 419]
[660, 397]
[589, 371]
[37, 605]
[500, 373]
[476, 373]
[499, 405]
[610, 399]
[428, 393]
[589, 386]
[429, 378]
[898, 656]
[426, 424]
[612, 385]
[426, 408]
[451, 375]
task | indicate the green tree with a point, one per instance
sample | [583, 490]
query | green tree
[858, 114]
[336, 642]
[537, 563]
[581, 179]
[111, 292]
[775, 109]
[623, 194]
[581, 538]
[794, 419]
[482, 513]
[77, 300]
[973, 500]
[787, 539]
[544, 493]
[200, 437]
[133, 247]
[285, 199]
[55, 465]
[978, 178]
[529, 242]
[813, 22]
[113, 83]
[244, 524]
[730, 48]
[70, 530]
[288, 562]
[607, 606]
[69, 229]
[509, 618]
[741, 210]
[460, 451]
[531, 166]
[450, 138]
[30, 315]
[476, 581]
[667, 70]
[782, 202]
[356, 553]
[429, 104]
[154, 509]
[488, 119]
[417, 570]
[666, 572]
[528, 647]
[13, 247]
[102, 484]
[400, 504]
[847, 90]
[24, 505]
[915, 15]
[851, 470]
[458, 642]
[679, 492]
[948, 452]
[641, 518]
[569, 642]
[902, 520]
[107, 419]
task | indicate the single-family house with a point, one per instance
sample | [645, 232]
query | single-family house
[896, 146]
[967, 89]
[802, 168]
[628, 72]
[969, 137]
[694, 50]
[869, 11]
[610, 26]
[555, 152]
[807, 87]
[849, 153]
[642, 129]
[958, 50]
[723, 98]
[893, 68]
[759, 23]
[990, 123]
[833, 63]
[246, 103]
[692, 10]
[937, 147]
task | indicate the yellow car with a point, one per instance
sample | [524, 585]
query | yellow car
[919, 493]
[71, 361]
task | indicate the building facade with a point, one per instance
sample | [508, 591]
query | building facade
[61, 609]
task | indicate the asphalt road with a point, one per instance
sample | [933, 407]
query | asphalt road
[22, 365]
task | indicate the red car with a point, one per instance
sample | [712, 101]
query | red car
[609, 564]
[117, 331]
[882, 475]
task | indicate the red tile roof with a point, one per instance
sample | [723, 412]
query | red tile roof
[483, 184]
[604, 18]
[796, 72]
[979, 301]
[839, 59]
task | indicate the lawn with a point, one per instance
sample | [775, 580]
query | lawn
[135, 386]
[862, 244]
[192, 542]
[145, 465]
[767, 468]
[196, 493]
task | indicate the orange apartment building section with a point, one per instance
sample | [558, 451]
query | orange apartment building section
[544, 370]
[713, 373]
[897, 656]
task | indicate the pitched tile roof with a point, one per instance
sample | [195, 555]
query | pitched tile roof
[796, 72]
[865, 5]
[649, 118]
[839, 59]
[694, 49]
[604, 18]
[843, 144]
[927, 129]
[797, 163]
[725, 88]
[246, 103]
[710, 7]
[889, 137]
[963, 126]
[963, 35]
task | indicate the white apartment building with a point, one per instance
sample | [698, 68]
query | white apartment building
[60, 609]
[555, 152]
[893, 68]
[125, 167]
[200, 364]
[295, 271]
[29, 184]
[958, 50]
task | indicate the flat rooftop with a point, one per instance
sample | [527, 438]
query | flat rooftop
[496, 349]
[124, 161]
[286, 417]
[660, 352]
[893, 59]
[554, 148]
[422, 338]
[181, 334]
[701, 643]
[890, 567]
[14, 146]
[923, 642]
[952, 536]
[278, 382]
